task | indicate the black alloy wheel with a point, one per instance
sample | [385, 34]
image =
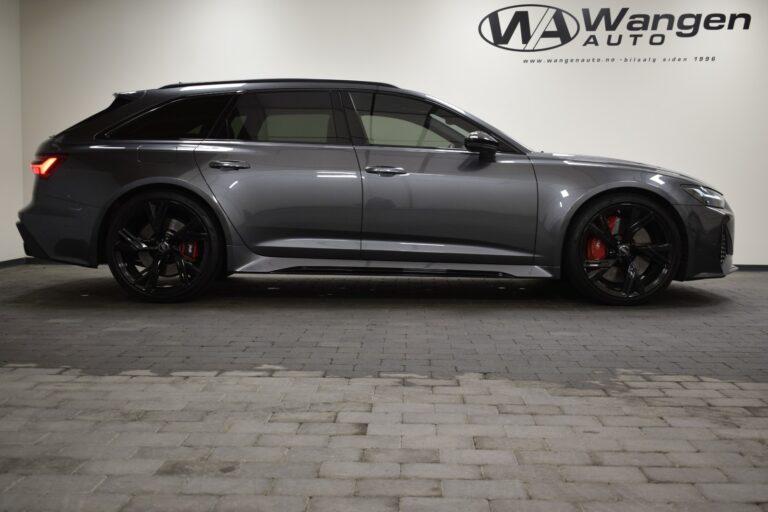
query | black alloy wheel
[623, 250]
[163, 247]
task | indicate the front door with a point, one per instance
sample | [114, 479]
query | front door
[426, 198]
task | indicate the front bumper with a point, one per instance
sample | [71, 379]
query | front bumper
[710, 235]
[60, 230]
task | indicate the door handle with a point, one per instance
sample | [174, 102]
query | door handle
[384, 170]
[229, 165]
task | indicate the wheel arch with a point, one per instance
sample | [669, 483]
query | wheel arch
[650, 194]
[206, 201]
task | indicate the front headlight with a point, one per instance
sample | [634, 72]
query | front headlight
[705, 195]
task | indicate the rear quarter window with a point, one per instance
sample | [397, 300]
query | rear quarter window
[186, 118]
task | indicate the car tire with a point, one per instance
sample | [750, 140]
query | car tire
[622, 249]
[163, 246]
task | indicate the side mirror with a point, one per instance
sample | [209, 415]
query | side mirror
[482, 143]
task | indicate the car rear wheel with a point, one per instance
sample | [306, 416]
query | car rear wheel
[623, 249]
[163, 247]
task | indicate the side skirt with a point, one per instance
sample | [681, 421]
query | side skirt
[241, 260]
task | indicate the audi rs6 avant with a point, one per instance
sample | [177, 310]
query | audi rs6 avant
[178, 186]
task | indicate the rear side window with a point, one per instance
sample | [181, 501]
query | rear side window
[306, 117]
[394, 120]
[188, 118]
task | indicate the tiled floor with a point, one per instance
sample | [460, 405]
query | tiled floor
[368, 394]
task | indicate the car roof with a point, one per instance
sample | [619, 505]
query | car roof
[324, 83]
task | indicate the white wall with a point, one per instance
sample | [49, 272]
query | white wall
[706, 119]
[10, 130]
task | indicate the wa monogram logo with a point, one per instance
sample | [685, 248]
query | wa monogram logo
[535, 27]
[529, 28]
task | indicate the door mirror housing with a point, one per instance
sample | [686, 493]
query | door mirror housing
[483, 144]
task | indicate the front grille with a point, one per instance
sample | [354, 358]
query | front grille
[723, 244]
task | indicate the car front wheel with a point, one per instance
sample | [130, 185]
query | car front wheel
[623, 249]
[163, 247]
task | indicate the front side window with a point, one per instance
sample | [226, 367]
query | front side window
[393, 120]
[284, 116]
[188, 118]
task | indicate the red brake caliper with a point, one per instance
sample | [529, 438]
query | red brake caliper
[189, 250]
[596, 247]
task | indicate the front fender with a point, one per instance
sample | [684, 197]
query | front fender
[565, 186]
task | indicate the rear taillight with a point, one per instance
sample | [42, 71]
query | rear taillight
[43, 166]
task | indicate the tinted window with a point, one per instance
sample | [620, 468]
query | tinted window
[295, 116]
[189, 118]
[391, 120]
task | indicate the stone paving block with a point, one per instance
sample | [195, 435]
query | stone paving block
[322, 504]
[57, 484]
[659, 492]
[440, 471]
[684, 475]
[522, 472]
[434, 417]
[120, 467]
[591, 443]
[716, 507]
[214, 485]
[304, 440]
[369, 417]
[214, 439]
[443, 505]
[566, 420]
[631, 459]
[626, 506]
[170, 503]
[711, 459]
[657, 445]
[140, 484]
[512, 505]
[335, 429]
[402, 429]
[359, 470]
[13, 502]
[197, 467]
[744, 475]
[489, 489]
[601, 474]
[367, 441]
[571, 492]
[309, 454]
[401, 455]
[398, 487]
[506, 443]
[471, 430]
[302, 417]
[167, 439]
[172, 453]
[479, 457]
[732, 492]
[262, 427]
[437, 442]
[279, 469]
[250, 503]
[313, 487]
[550, 457]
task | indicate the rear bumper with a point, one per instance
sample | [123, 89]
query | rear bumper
[710, 234]
[59, 231]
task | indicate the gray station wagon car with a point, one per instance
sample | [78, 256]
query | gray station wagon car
[178, 186]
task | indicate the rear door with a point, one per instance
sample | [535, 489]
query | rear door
[282, 167]
[426, 198]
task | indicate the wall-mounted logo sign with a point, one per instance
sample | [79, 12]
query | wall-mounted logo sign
[535, 28]
[529, 28]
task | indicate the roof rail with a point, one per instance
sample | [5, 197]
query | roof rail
[274, 80]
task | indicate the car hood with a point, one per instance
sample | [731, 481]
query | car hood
[616, 162]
